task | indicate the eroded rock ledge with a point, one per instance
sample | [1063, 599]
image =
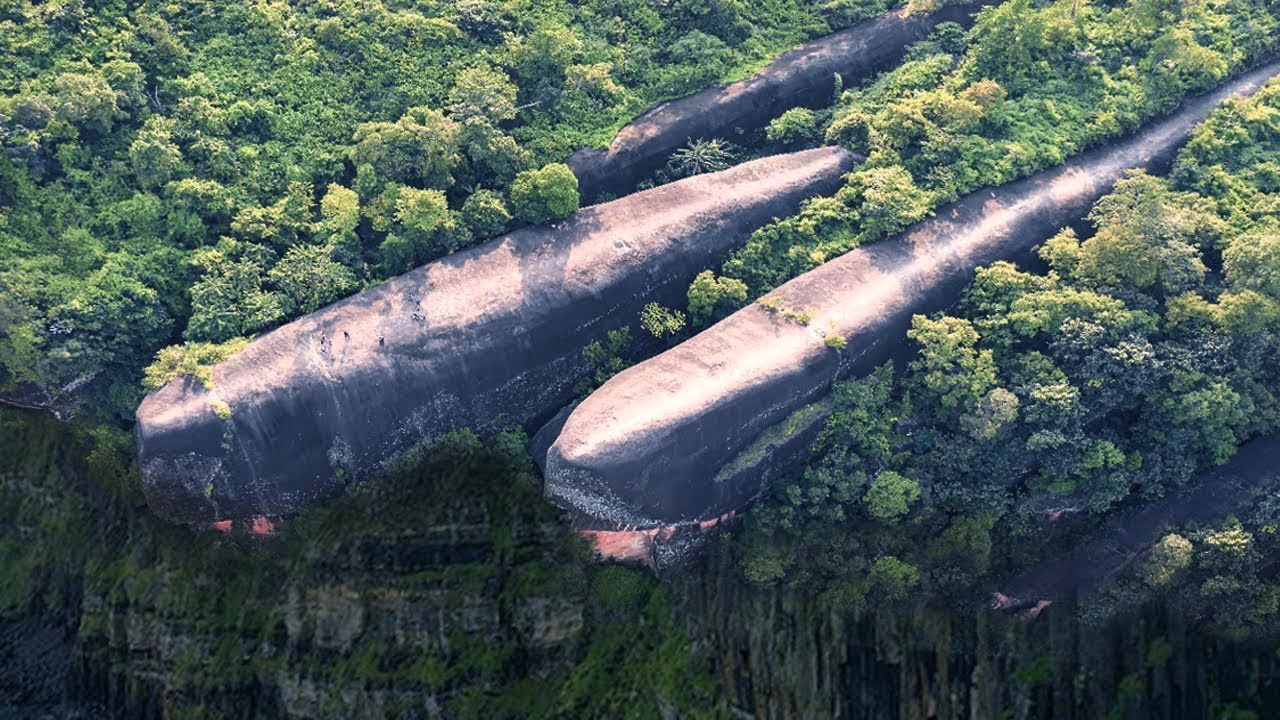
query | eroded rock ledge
[650, 447]
[801, 77]
[487, 338]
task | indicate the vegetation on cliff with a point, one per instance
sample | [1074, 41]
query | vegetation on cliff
[451, 585]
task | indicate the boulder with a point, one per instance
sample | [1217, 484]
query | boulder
[663, 442]
[801, 77]
[486, 338]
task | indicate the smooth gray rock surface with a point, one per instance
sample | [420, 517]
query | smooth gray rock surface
[650, 446]
[801, 77]
[487, 338]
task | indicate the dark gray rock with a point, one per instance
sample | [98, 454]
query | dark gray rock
[802, 77]
[487, 338]
[651, 446]
[1217, 494]
[29, 396]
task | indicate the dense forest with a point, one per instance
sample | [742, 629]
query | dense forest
[179, 178]
[185, 175]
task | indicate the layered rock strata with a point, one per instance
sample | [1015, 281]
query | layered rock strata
[801, 77]
[486, 338]
[663, 441]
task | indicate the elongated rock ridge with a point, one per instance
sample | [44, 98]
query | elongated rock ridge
[661, 442]
[801, 77]
[487, 338]
[1214, 496]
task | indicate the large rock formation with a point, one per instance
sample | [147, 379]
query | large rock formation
[1217, 494]
[656, 444]
[802, 77]
[486, 338]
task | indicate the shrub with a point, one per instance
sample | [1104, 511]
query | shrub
[546, 194]
[793, 127]
[710, 296]
[659, 321]
[195, 359]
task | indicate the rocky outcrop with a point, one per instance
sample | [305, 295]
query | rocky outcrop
[1214, 496]
[487, 338]
[801, 77]
[648, 448]
[29, 396]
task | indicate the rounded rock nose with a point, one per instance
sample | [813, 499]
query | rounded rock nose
[578, 480]
[184, 441]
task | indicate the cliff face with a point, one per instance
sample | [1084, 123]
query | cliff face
[801, 77]
[488, 338]
[649, 447]
[458, 594]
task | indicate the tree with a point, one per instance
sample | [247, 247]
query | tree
[542, 56]
[87, 101]
[229, 301]
[108, 327]
[1252, 262]
[661, 322]
[894, 577]
[1170, 555]
[550, 193]
[1198, 412]
[993, 412]
[280, 224]
[851, 129]
[310, 278]
[588, 90]
[395, 255]
[950, 370]
[421, 212]
[482, 93]
[710, 296]
[485, 213]
[1148, 238]
[153, 153]
[886, 200]
[703, 59]
[340, 208]
[420, 148]
[890, 496]
[493, 156]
